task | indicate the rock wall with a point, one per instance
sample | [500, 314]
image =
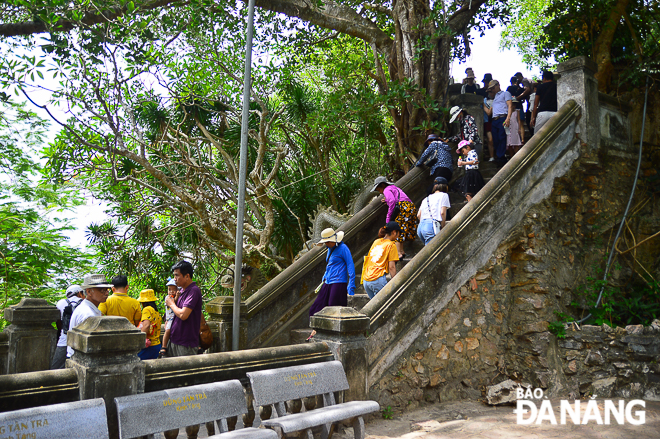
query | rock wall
[498, 327]
[612, 362]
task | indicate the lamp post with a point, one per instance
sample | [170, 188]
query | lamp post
[240, 214]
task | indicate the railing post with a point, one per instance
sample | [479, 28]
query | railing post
[577, 82]
[343, 329]
[105, 359]
[221, 311]
[31, 337]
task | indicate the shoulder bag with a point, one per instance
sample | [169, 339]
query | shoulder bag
[205, 335]
[437, 225]
[397, 207]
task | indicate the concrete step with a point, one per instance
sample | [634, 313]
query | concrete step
[456, 207]
[299, 336]
[455, 197]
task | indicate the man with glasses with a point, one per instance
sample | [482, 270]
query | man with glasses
[96, 292]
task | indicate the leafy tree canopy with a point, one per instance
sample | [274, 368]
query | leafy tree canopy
[35, 259]
[622, 36]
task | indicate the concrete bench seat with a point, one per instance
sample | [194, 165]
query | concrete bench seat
[70, 420]
[323, 415]
[274, 387]
[155, 412]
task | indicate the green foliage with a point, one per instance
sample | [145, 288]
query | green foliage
[35, 260]
[633, 305]
[545, 29]
[387, 412]
[525, 31]
[557, 327]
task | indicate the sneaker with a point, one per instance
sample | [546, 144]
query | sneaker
[492, 159]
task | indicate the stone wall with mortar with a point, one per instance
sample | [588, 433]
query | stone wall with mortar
[498, 328]
[612, 362]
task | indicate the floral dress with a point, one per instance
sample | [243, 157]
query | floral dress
[407, 217]
[469, 131]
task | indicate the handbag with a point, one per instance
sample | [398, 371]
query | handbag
[436, 224]
[397, 207]
[205, 335]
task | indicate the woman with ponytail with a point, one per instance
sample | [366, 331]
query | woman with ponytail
[381, 259]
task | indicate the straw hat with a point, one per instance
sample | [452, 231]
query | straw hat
[95, 281]
[329, 235]
[147, 296]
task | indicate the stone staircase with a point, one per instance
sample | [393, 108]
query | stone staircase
[360, 299]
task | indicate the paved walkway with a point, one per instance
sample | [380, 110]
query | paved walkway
[475, 420]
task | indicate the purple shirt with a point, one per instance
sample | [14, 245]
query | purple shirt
[186, 332]
[392, 198]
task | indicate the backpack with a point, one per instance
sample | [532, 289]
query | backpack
[67, 313]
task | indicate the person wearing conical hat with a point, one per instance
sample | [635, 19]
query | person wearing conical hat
[339, 277]
[150, 325]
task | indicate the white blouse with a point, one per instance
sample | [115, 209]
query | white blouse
[432, 205]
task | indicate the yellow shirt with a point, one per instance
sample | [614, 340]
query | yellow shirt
[377, 261]
[120, 304]
[148, 313]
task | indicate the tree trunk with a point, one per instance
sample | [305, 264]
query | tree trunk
[603, 45]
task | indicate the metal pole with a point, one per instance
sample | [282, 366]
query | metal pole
[240, 214]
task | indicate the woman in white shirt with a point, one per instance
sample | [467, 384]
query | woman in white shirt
[433, 213]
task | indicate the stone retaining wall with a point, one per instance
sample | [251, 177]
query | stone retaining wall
[613, 362]
[498, 329]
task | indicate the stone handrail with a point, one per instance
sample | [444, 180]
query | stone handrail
[404, 308]
[32, 389]
[282, 304]
[169, 373]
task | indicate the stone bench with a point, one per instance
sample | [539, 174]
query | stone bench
[274, 387]
[70, 420]
[154, 412]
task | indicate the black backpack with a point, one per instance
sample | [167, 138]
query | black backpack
[67, 313]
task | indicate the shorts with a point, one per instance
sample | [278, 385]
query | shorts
[488, 127]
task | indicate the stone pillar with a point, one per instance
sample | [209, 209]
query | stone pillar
[105, 359]
[31, 337]
[577, 82]
[221, 315]
[343, 329]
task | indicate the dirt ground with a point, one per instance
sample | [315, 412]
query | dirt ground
[475, 420]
